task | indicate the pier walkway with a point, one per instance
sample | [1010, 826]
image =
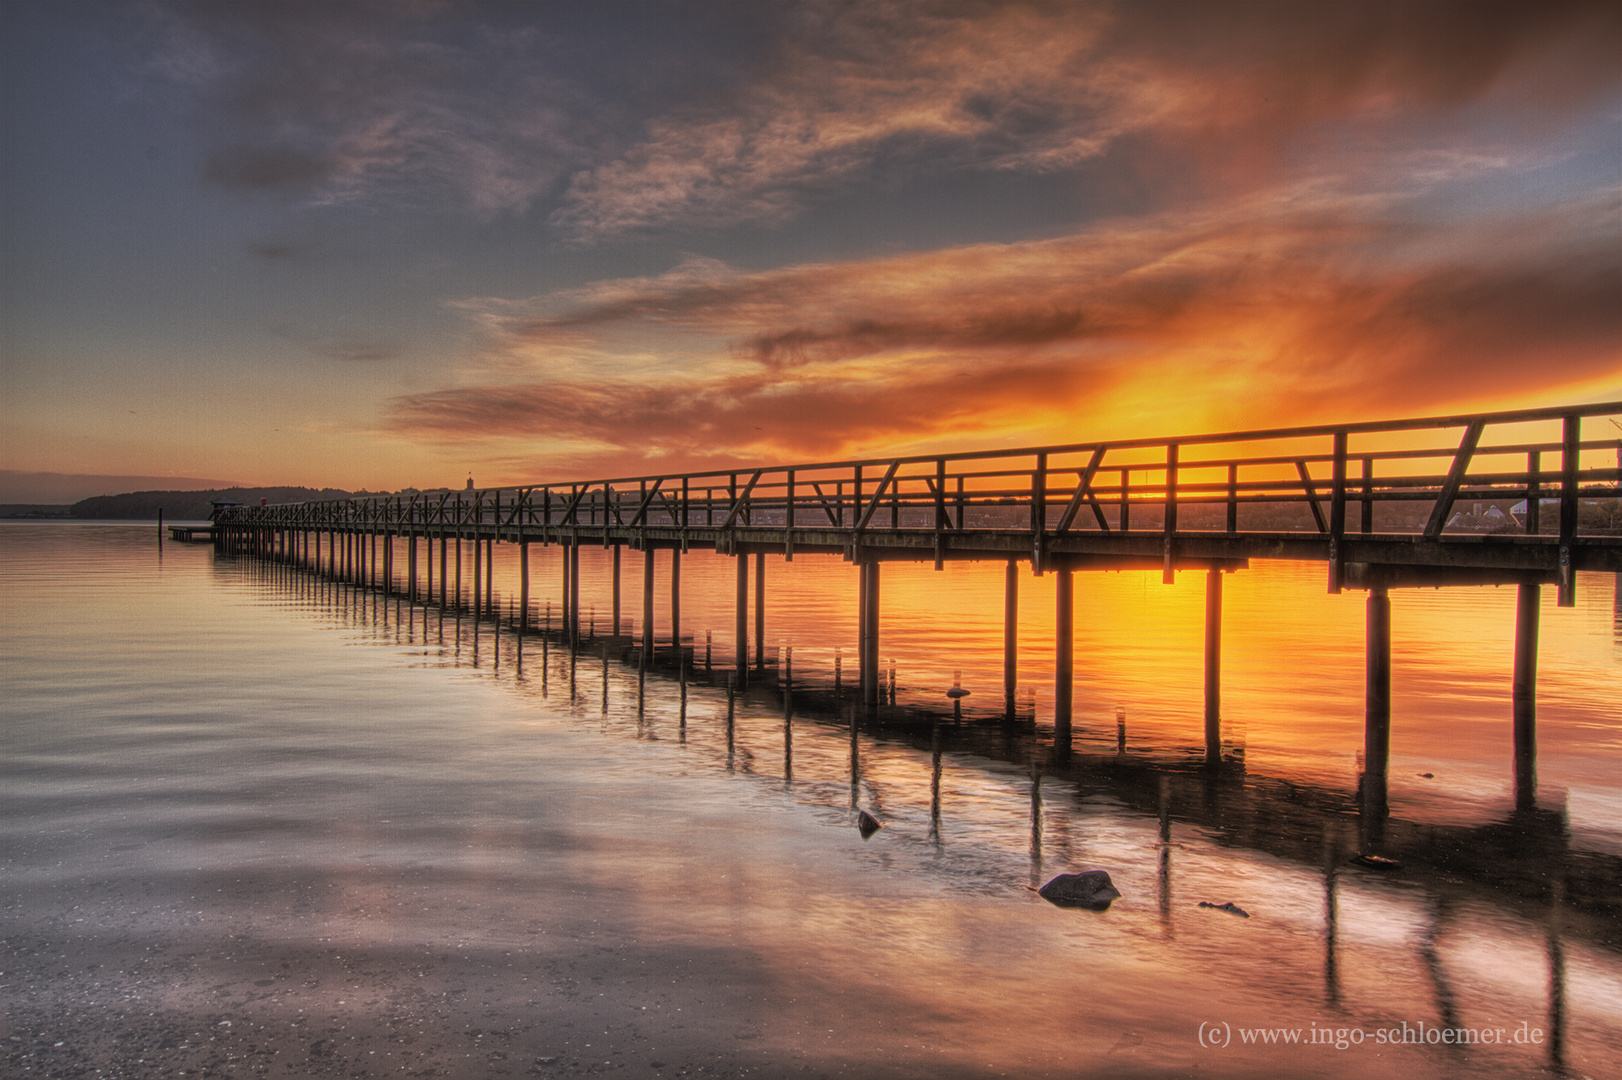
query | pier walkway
[1527, 497]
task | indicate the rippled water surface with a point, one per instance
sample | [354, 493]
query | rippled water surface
[257, 823]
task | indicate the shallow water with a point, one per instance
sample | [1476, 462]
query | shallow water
[260, 824]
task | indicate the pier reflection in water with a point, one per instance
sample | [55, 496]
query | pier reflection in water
[1504, 908]
[1478, 836]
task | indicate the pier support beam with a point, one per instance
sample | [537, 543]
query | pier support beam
[523, 586]
[741, 621]
[647, 606]
[675, 603]
[1377, 717]
[478, 576]
[1010, 637]
[1213, 667]
[617, 623]
[563, 591]
[1524, 694]
[1064, 665]
[573, 616]
[868, 632]
[760, 610]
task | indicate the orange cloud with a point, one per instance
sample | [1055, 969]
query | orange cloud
[1262, 313]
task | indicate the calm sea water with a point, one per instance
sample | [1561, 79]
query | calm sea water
[260, 824]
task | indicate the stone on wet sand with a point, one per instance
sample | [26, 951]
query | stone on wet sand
[1230, 907]
[1089, 889]
[867, 824]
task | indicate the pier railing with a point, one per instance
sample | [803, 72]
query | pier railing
[1432, 491]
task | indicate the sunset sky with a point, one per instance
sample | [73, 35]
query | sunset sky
[373, 246]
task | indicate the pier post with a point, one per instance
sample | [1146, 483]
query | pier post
[741, 621]
[573, 555]
[1064, 670]
[563, 603]
[647, 604]
[1377, 715]
[869, 644]
[490, 577]
[1571, 443]
[1213, 667]
[478, 574]
[1524, 694]
[411, 566]
[523, 587]
[675, 605]
[458, 568]
[760, 610]
[444, 576]
[617, 623]
[1010, 637]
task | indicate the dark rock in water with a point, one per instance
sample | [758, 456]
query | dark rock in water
[957, 692]
[1428, 776]
[1230, 907]
[1377, 862]
[1090, 889]
[867, 824]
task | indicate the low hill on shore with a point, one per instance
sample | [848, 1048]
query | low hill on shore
[189, 505]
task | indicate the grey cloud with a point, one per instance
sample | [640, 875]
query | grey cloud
[360, 351]
[391, 102]
[266, 168]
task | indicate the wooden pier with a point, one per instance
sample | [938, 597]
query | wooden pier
[1518, 498]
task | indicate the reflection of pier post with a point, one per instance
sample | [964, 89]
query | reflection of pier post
[1331, 915]
[1164, 875]
[1377, 716]
[1213, 667]
[1064, 660]
[1036, 826]
[935, 783]
[1524, 694]
[1010, 637]
[1557, 977]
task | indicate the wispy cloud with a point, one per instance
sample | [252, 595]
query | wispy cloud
[878, 90]
[365, 101]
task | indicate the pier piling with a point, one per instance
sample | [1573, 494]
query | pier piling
[1064, 659]
[1524, 693]
[1377, 715]
[1010, 637]
[1213, 667]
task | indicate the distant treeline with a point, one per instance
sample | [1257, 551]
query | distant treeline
[190, 505]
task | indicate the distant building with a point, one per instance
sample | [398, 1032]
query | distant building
[219, 504]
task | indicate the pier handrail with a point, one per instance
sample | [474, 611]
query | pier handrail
[1116, 479]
